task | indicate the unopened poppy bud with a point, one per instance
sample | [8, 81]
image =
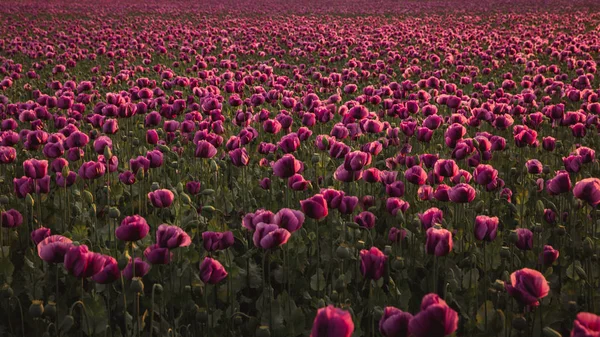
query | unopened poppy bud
[4, 200]
[29, 200]
[88, 197]
[155, 186]
[315, 158]
[320, 303]
[158, 288]
[114, 213]
[107, 153]
[214, 167]
[185, 199]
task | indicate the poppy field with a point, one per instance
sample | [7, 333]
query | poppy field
[285, 169]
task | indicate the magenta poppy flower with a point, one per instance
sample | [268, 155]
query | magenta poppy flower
[431, 217]
[395, 205]
[485, 174]
[158, 255]
[586, 324]
[527, 286]
[290, 219]
[215, 241]
[561, 183]
[534, 166]
[287, 166]
[7, 154]
[35, 169]
[365, 219]
[91, 170]
[332, 322]
[372, 263]
[141, 268]
[355, 161]
[588, 190]
[486, 228]
[161, 198]
[239, 157]
[524, 239]
[396, 234]
[315, 207]
[462, 193]
[445, 168]
[204, 149]
[193, 187]
[172, 237]
[394, 322]
[395, 189]
[109, 272]
[133, 228]
[439, 242]
[38, 235]
[250, 220]
[53, 248]
[416, 175]
[436, 318]
[298, 183]
[11, 218]
[82, 263]
[138, 163]
[212, 271]
[548, 256]
[268, 236]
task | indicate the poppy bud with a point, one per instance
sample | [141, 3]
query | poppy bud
[50, 309]
[36, 309]
[263, 331]
[137, 285]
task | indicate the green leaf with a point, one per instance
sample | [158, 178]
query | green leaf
[470, 279]
[6, 268]
[320, 277]
[486, 308]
